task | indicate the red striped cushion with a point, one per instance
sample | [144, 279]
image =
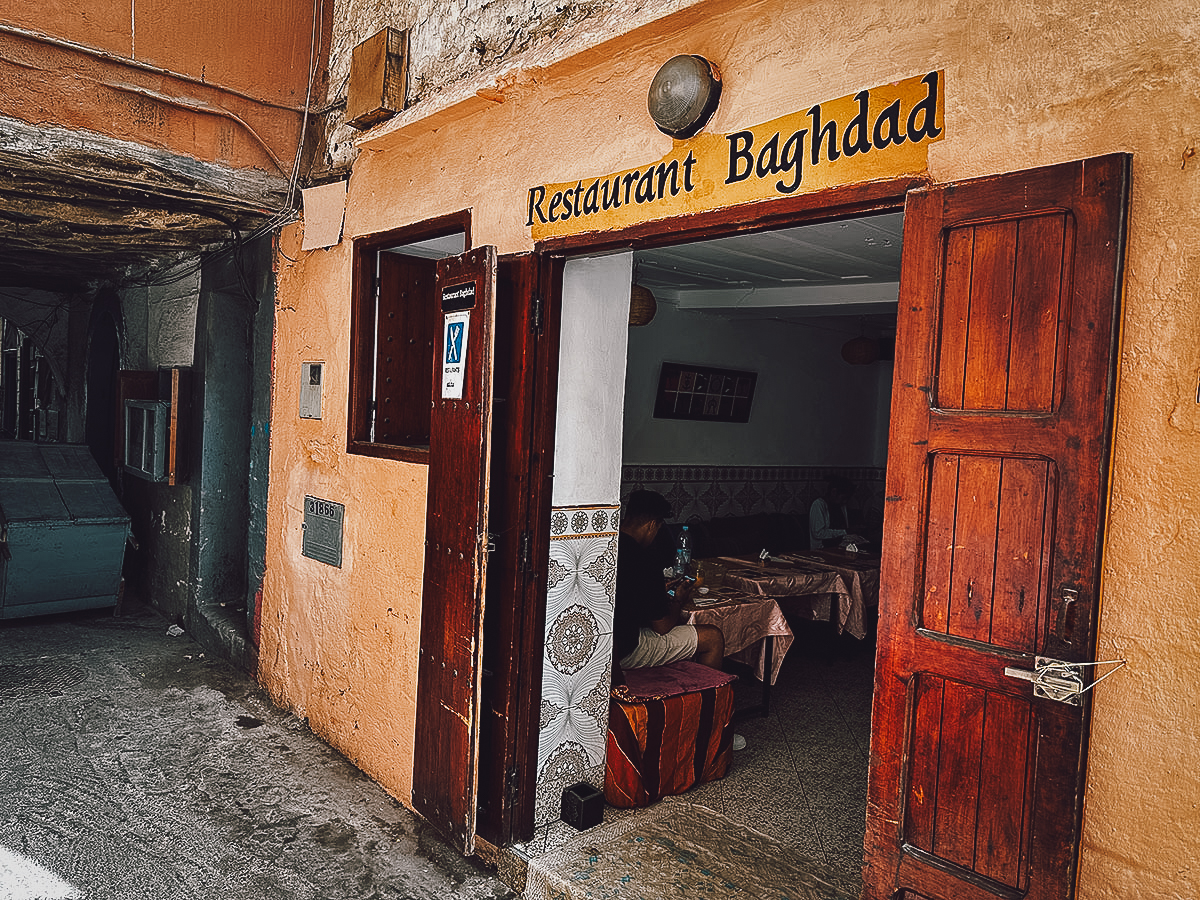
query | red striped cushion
[666, 746]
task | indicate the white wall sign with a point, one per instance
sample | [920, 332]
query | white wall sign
[454, 353]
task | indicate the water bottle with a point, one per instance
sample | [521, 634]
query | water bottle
[683, 553]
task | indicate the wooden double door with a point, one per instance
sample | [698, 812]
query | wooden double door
[1001, 419]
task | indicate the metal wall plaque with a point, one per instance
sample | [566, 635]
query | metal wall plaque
[322, 530]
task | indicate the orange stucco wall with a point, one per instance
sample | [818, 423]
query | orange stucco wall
[1024, 87]
[259, 48]
[339, 645]
[103, 24]
[111, 68]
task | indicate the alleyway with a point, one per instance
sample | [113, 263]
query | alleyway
[136, 767]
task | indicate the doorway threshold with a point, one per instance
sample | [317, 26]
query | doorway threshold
[679, 849]
[796, 793]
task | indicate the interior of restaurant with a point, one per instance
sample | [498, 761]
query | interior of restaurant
[761, 368]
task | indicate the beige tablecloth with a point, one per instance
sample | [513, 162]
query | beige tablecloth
[818, 586]
[747, 620]
[861, 572]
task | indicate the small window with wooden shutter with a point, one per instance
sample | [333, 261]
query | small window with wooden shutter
[394, 328]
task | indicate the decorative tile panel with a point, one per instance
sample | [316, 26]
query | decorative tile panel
[575, 706]
[577, 663]
[699, 493]
[583, 563]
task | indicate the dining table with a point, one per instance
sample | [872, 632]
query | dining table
[756, 634]
[823, 585]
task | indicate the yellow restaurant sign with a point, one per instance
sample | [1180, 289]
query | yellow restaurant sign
[878, 133]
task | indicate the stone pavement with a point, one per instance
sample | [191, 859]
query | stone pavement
[135, 767]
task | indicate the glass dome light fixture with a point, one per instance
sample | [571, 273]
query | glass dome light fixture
[684, 95]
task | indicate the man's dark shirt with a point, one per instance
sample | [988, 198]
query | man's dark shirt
[641, 593]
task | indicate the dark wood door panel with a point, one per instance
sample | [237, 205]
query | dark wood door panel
[996, 486]
[926, 881]
[1004, 310]
[987, 547]
[446, 743]
[970, 789]
[405, 318]
[514, 626]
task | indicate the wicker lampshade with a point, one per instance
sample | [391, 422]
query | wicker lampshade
[860, 351]
[642, 306]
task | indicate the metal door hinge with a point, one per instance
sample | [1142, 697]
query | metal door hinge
[536, 313]
[525, 552]
[1054, 679]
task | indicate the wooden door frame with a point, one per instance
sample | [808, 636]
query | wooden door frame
[850, 201]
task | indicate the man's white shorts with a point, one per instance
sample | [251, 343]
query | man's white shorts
[654, 649]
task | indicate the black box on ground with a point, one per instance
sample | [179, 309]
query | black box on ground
[582, 806]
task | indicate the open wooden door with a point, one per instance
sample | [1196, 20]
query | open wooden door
[446, 763]
[524, 393]
[997, 481]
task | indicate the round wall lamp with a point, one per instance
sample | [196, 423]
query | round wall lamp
[684, 95]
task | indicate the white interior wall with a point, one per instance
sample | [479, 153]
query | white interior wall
[591, 379]
[810, 407]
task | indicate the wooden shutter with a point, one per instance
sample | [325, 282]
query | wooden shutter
[997, 479]
[407, 324]
[445, 768]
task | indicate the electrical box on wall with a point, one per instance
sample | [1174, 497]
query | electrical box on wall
[378, 78]
[311, 375]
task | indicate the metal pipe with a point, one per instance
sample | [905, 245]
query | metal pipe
[201, 107]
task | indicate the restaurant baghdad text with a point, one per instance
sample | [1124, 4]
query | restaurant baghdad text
[781, 157]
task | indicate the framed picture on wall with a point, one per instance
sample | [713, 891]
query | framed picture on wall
[704, 393]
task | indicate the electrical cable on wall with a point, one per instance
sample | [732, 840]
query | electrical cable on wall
[173, 274]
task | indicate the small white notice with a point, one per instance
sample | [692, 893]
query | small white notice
[454, 353]
[310, 389]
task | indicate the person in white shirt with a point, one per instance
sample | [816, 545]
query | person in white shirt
[828, 518]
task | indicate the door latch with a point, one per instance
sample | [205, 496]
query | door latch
[1054, 679]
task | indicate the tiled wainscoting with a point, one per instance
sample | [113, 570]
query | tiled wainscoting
[697, 493]
[577, 666]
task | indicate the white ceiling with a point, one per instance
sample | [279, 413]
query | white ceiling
[849, 267]
[848, 270]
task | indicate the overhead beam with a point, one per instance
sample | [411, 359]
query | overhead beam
[874, 293]
[77, 206]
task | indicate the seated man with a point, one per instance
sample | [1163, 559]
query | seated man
[829, 518]
[647, 629]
